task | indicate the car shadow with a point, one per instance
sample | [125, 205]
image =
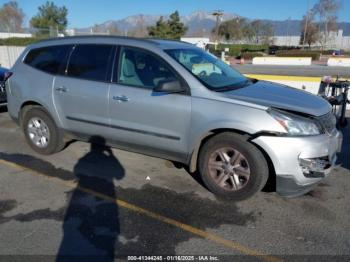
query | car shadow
[97, 227]
[97, 223]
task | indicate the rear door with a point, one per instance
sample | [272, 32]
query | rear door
[151, 122]
[81, 94]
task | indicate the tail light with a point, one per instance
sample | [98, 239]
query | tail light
[7, 75]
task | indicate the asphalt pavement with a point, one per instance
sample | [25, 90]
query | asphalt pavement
[89, 201]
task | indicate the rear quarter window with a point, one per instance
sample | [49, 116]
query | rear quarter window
[48, 59]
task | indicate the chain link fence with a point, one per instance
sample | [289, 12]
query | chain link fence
[12, 44]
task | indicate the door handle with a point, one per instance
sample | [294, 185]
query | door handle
[62, 89]
[121, 98]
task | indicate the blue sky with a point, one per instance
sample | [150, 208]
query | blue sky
[83, 13]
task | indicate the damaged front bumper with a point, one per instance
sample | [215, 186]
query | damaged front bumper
[301, 162]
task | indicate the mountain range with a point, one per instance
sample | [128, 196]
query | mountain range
[202, 22]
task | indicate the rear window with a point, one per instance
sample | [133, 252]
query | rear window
[90, 62]
[49, 59]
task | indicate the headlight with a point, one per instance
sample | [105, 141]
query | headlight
[296, 125]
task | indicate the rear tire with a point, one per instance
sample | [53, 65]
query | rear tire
[41, 132]
[231, 167]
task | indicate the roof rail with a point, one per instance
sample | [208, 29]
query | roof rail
[96, 36]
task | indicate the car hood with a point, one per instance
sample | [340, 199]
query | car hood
[282, 97]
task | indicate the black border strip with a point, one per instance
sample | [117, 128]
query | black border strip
[124, 128]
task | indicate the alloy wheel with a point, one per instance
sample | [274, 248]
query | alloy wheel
[229, 168]
[38, 132]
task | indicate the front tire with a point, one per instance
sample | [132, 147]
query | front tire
[41, 132]
[231, 167]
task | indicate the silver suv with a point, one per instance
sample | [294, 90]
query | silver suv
[172, 100]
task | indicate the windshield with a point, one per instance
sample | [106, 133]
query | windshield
[212, 72]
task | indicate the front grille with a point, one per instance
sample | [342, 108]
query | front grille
[328, 122]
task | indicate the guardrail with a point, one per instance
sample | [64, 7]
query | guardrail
[297, 61]
[309, 84]
[338, 61]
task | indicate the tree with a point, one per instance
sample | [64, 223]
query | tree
[160, 30]
[327, 13]
[177, 28]
[268, 33]
[235, 29]
[50, 17]
[256, 28]
[113, 29]
[262, 32]
[11, 17]
[170, 29]
[96, 29]
[309, 33]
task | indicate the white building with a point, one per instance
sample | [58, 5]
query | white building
[336, 40]
[200, 42]
[4, 35]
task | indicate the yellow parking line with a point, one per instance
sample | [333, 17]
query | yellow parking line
[185, 227]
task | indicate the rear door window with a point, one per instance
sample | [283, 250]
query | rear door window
[50, 59]
[90, 62]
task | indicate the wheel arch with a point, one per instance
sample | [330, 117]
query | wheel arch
[193, 161]
[55, 142]
[33, 103]
[203, 139]
[28, 104]
[270, 185]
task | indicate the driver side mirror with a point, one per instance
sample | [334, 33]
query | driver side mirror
[169, 86]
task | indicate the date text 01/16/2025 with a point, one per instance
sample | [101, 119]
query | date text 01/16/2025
[173, 258]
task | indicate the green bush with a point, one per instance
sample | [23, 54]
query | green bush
[236, 50]
[315, 55]
[251, 55]
[327, 52]
[18, 41]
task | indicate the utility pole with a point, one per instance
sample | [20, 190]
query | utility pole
[218, 14]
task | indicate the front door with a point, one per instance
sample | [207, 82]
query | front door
[157, 123]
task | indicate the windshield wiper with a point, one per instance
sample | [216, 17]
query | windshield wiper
[233, 87]
[225, 88]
